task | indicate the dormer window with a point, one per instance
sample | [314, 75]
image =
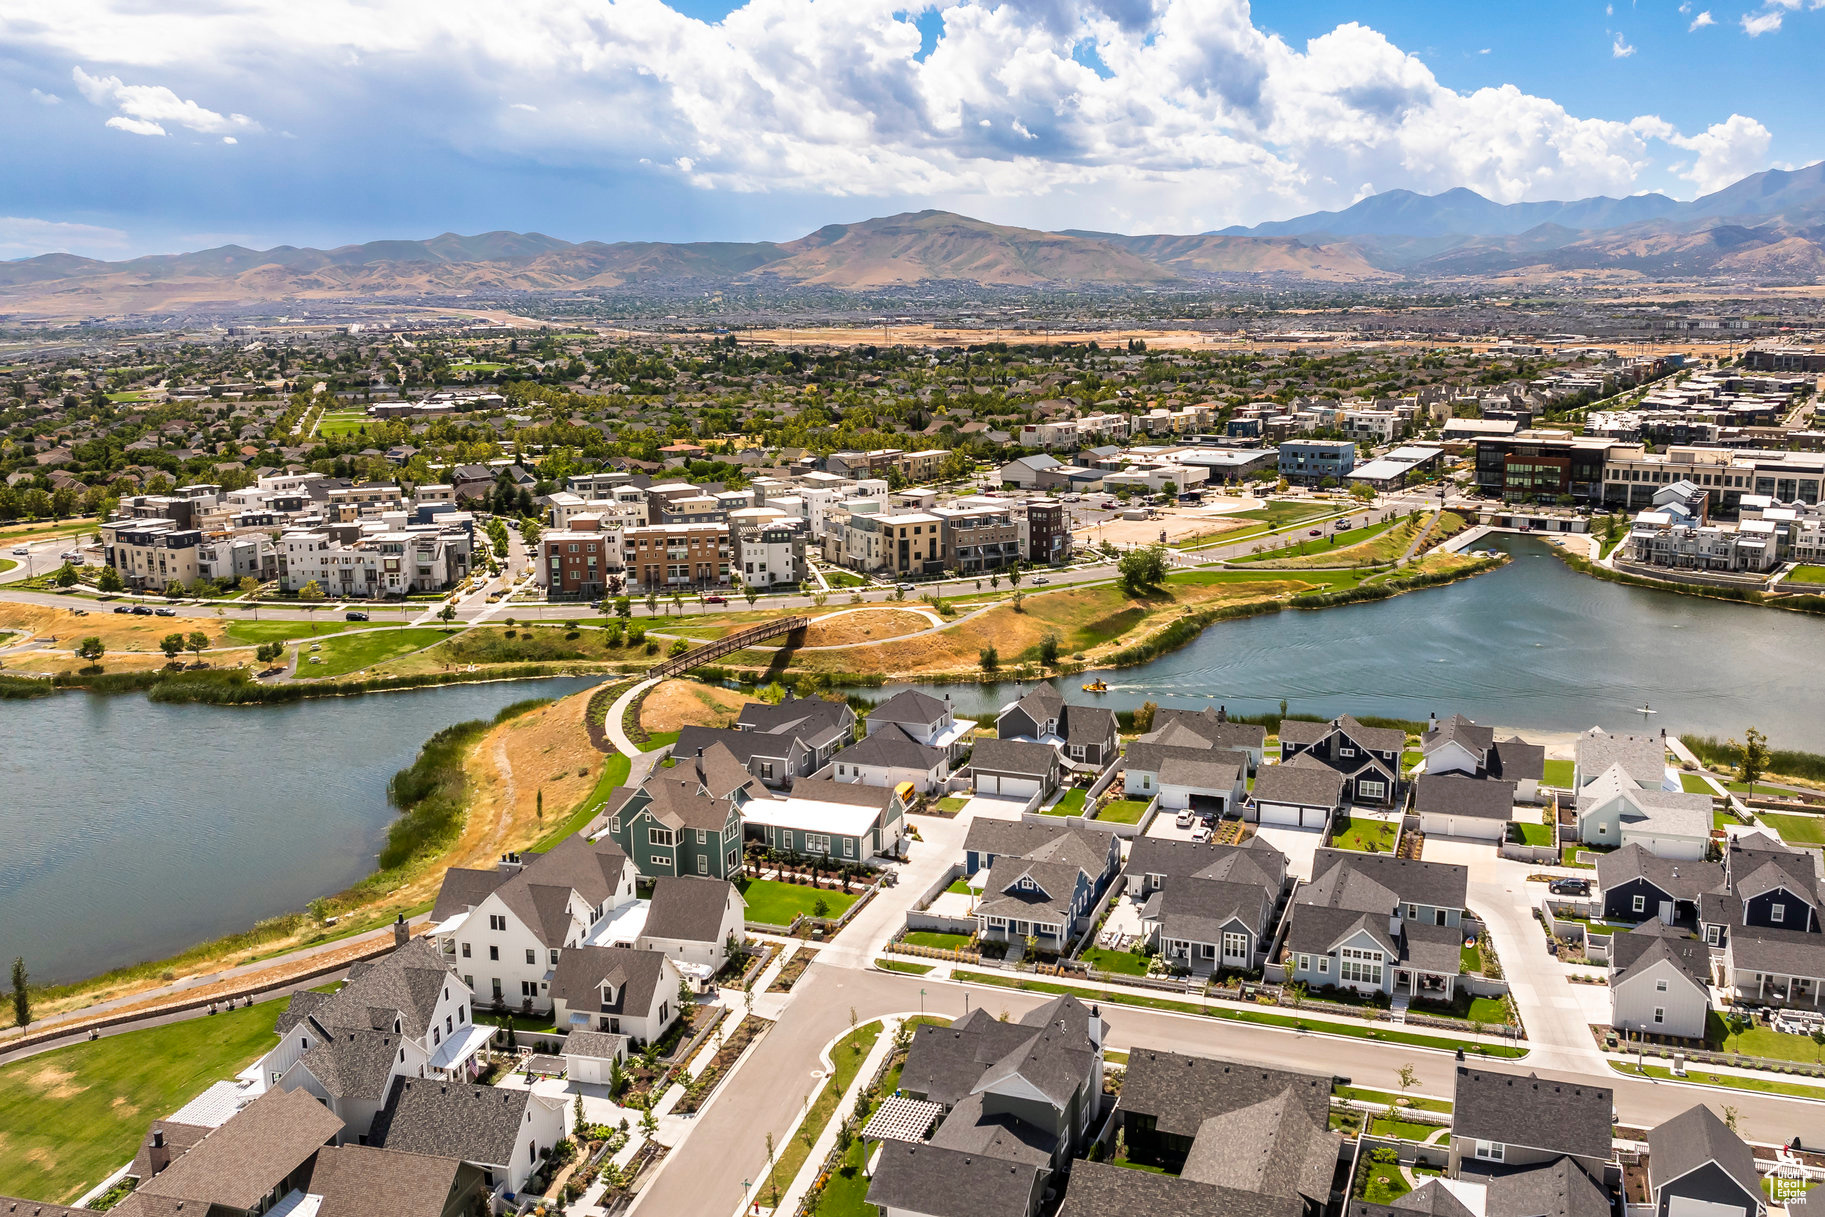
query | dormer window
[608, 995]
[1345, 750]
[1777, 912]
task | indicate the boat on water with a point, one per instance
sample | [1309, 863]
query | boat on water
[1096, 686]
[1646, 710]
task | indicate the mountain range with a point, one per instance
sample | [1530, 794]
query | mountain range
[1769, 228]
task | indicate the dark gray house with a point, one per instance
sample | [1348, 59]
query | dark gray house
[1635, 885]
[1085, 735]
[1208, 907]
[1502, 1121]
[1367, 757]
[1696, 1164]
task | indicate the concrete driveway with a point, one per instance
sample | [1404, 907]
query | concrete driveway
[992, 807]
[1298, 844]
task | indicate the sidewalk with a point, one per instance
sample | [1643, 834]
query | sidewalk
[826, 1141]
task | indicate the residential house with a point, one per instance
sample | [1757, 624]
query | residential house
[1635, 884]
[1767, 921]
[1457, 805]
[1459, 745]
[405, 1015]
[1504, 1124]
[926, 720]
[1642, 757]
[793, 739]
[1015, 1103]
[890, 756]
[685, 820]
[989, 838]
[1202, 779]
[1660, 981]
[1207, 908]
[1086, 736]
[830, 819]
[504, 929]
[1049, 891]
[1014, 768]
[1303, 793]
[620, 990]
[1367, 757]
[1614, 810]
[1183, 728]
[692, 920]
[504, 1132]
[1231, 1137]
[1375, 923]
[1697, 1164]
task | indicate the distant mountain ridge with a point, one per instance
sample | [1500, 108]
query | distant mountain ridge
[1768, 227]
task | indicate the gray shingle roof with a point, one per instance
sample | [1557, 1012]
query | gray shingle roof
[538, 893]
[1652, 942]
[1300, 785]
[910, 706]
[635, 974]
[1527, 1110]
[1457, 794]
[1559, 1189]
[476, 1124]
[1691, 1139]
[405, 985]
[939, 1182]
[688, 908]
[1198, 910]
[1254, 861]
[359, 1180]
[891, 746]
[1429, 1199]
[1048, 901]
[354, 1064]
[249, 1155]
[1273, 1147]
[1100, 1189]
[1181, 1092]
[1679, 879]
[1141, 756]
[1461, 730]
[600, 1045]
[1022, 758]
[1642, 757]
[1218, 732]
[1059, 842]
[1440, 884]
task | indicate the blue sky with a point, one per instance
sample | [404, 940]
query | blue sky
[133, 128]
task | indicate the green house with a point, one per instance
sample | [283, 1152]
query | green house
[685, 820]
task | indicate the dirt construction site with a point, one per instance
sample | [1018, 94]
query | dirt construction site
[1213, 516]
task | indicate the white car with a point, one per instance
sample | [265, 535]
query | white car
[1201, 833]
[22, 549]
[1185, 818]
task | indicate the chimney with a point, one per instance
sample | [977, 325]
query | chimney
[1432, 721]
[402, 934]
[158, 1138]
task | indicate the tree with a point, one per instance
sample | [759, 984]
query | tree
[1407, 1076]
[109, 580]
[197, 642]
[171, 644]
[678, 602]
[91, 649]
[749, 594]
[652, 603]
[1170, 490]
[1140, 571]
[1048, 648]
[312, 591]
[624, 607]
[989, 658]
[65, 576]
[1143, 717]
[1754, 761]
[249, 585]
[1363, 491]
[447, 613]
[22, 999]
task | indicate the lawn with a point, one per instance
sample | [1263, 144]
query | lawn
[1367, 836]
[1125, 962]
[771, 902]
[1558, 774]
[1290, 1021]
[6, 564]
[904, 965]
[1533, 834]
[1806, 574]
[1796, 829]
[1694, 783]
[1411, 757]
[1729, 1081]
[1382, 1182]
[936, 940]
[952, 805]
[1404, 1130]
[1471, 959]
[1761, 1041]
[846, 1057]
[338, 423]
[1490, 1011]
[1721, 819]
[344, 654]
[1568, 855]
[254, 633]
[1122, 811]
[656, 740]
[1071, 805]
[1384, 1097]
[69, 1117]
[961, 887]
[1278, 513]
[1332, 546]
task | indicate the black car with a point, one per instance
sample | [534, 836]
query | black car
[355, 616]
[123, 608]
[1569, 887]
[140, 610]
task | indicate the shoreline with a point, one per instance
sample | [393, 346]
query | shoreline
[1792, 602]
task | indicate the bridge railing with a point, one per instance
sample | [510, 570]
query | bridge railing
[738, 641]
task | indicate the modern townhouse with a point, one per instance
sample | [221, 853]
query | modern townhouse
[504, 930]
[1045, 530]
[1086, 737]
[1632, 475]
[772, 554]
[1369, 758]
[1374, 923]
[1460, 745]
[1660, 981]
[152, 554]
[979, 538]
[1207, 908]
[407, 1014]
[666, 558]
[578, 563]
[1768, 921]
[349, 562]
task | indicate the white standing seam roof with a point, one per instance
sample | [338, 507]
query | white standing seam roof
[811, 815]
[297, 1204]
[217, 1105]
[621, 926]
[461, 1046]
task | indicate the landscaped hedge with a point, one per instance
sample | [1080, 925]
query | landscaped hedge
[235, 687]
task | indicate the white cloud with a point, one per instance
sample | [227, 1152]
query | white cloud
[1757, 24]
[1195, 117]
[1723, 152]
[229, 139]
[46, 99]
[24, 236]
[1620, 49]
[1701, 21]
[147, 109]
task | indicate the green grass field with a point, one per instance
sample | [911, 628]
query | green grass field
[1127, 963]
[1071, 805]
[351, 653]
[1806, 574]
[338, 423]
[1693, 783]
[1559, 774]
[1761, 1041]
[1534, 834]
[1729, 1081]
[771, 902]
[1122, 811]
[69, 1117]
[1796, 829]
[253, 633]
[936, 940]
[6, 564]
[846, 1059]
[1325, 548]
[1368, 836]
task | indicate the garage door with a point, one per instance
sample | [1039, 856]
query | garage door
[1280, 813]
[1020, 788]
[988, 783]
[1311, 817]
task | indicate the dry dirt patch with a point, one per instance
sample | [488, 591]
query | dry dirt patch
[675, 704]
[56, 1083]
[865, 625]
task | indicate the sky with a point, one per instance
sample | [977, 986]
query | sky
[134, 128]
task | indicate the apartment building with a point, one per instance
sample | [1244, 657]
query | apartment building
[772, 553]
[1373, 426]
[1632, 475]
[152, 554]
[676, 557]
[234, 558]
[978, 538]
[576, 563]
[1045, 530]
[906, 543]
[1076, 432]
[347, 563]
[1307, 462]
[921, 466]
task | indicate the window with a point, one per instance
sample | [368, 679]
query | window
[1235, 946]
[1660, 1014]
[1438, 916]
[702, 836]
[449, 1023]
[1345, 750]
[1640, 904]
[1359, 967]
[1660, 986]
[849, 847]
[532, 957]
[554, 957]
[1490, 1151]
[469, 979]
[494, 954]
[1371, 790]
[497, 922]
[1603, 830]
[817, 843]
[1305, 963]
[1777, 913]
[1413, 912]
[529, 988]
[1324, 964]
[465, 950]
[659, 836]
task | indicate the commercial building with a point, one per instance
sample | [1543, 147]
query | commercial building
[578, 562]
[1543, 466]
[1307, 462]
[676, 557]
[1045, 530]
[1399, 467]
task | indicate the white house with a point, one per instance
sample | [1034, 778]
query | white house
[621, 990]
[1459, 745]
[1615, 811]
[506, 1133]
[692, 920]
[890, 757]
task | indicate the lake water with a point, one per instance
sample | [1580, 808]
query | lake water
[1534, 644]
[132, 830]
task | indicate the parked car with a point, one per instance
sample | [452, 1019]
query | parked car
[355, 615]
[1569, 887]
[1201, 833]
[715, 599]
[1041, 579]
[141, 610]
[165, 612]
[70, 555]
[1185, 818]
[123, 608]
